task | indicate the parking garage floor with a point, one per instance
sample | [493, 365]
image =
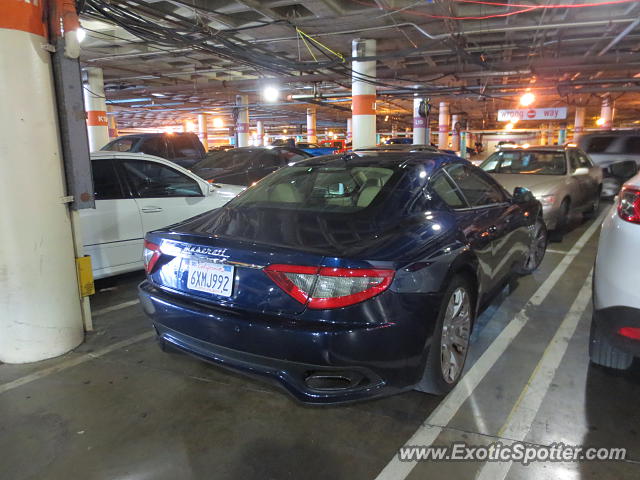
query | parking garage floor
[118, 407]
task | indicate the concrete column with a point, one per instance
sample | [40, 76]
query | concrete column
[606, 113]
[364, 95]
[40, 307]
[96, 107]
[578, 126]
[419, 124]
[562, 134]
[443, 126]
[455, 133]
[185, 125]
[543, 134]
[242, 125]
[550, 134]
[232, 135]
[311, 125]
[463, 144]
[349, 130]
[260, 132]
[203, 131]
[112, 125]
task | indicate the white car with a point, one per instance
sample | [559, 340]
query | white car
[615, 327]
[136, 193]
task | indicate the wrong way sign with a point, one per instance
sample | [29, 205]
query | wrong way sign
[559, 113]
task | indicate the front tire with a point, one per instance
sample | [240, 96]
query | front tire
[450, 342]
[563, 221]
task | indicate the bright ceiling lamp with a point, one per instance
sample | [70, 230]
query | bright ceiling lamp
[600, 121]
[527, 99]
[509, 126]
[81, 34]
[218, 123]
[270, 94]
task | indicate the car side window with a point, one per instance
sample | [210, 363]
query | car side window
[477, 187]
[106, 184]
[154, 146]
[632, 146]
[126, 144]
[288, 156]
[267, 159]
[155, 180]
[583, 160]
[442, 186]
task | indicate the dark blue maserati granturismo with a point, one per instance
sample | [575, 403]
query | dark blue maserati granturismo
[343, 277]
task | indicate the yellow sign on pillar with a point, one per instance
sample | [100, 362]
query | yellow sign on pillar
[85, 276]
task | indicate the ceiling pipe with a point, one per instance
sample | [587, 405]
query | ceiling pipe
[620, 36]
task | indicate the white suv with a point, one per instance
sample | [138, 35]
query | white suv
[615, 327]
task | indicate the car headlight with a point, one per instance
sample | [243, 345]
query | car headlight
[547, 200]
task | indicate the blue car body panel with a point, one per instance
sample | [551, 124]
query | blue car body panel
[382, 342]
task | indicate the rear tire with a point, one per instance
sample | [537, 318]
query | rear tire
[450, 342]
[593, 211]
[537, 249]
[602, 352]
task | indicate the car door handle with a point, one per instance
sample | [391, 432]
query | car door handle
[151, 209]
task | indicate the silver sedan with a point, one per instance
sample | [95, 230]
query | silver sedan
[564, 179]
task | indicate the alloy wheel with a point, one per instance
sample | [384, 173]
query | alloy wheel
[537, 249]
[456, 327]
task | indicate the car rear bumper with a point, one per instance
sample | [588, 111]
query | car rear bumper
[610, 320]
[316, 362]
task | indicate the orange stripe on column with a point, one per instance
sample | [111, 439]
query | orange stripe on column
[364, 105]
[97, 118]
[23, 15]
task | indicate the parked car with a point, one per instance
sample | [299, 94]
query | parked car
[185, 149]
[246, 165]
[615, 327]
[333, 277]
[339, 144]
[564, 179]
[316, 150]
[136, 193]
[617, 152]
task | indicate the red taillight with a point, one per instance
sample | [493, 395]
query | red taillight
[151, 255]
[630, 332]
[629, 205]
[326, 287]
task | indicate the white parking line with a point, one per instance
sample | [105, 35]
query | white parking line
[446, 410]
[524, 411]
[72, 361]
[113, 308]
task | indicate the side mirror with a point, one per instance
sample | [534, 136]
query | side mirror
[623, 170]
[522, 195]
[581, 171]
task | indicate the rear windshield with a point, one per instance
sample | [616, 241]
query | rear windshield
[599, 144]
[320, 188]
[126, 144]
[526, 162]
[227, 160]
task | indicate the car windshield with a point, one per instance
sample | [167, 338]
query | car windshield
[526, 162]
[336, 188]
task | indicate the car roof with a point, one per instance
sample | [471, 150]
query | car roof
[540, 148]
[152, 134]
[612, 133]
[396, 159]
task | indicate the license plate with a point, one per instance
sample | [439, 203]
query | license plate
[210, 277]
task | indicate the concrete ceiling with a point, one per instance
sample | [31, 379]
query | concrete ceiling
[167, 60]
